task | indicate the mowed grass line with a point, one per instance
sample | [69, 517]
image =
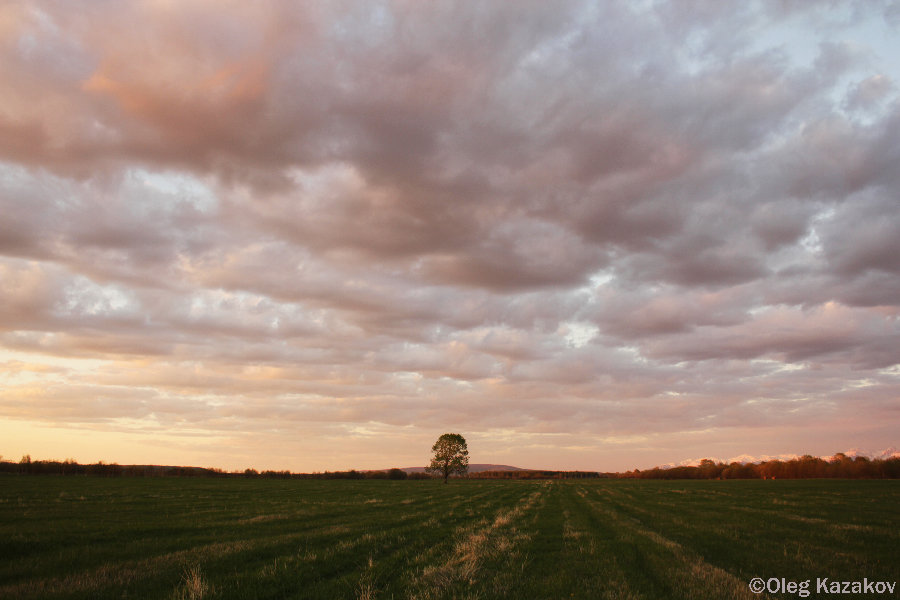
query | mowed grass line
[794, 529]
[584, 547]
[656, 566]
[83, 537]
[263, 539]
[486, 556]
[389, 561]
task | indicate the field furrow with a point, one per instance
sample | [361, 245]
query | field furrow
[677, 571]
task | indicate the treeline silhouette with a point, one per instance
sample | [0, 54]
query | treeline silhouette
[26, 466]
[534, 474]
[395, 474]
[806, 467]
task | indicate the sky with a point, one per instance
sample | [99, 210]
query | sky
[315, 236]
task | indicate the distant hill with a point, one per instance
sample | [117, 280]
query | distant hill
[473, 468]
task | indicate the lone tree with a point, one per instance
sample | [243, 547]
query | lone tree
[451, 456]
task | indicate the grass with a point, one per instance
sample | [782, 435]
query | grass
[84, 537]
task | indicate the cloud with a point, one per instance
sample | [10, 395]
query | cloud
[593, 222]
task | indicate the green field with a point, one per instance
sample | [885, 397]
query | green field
[87, 537]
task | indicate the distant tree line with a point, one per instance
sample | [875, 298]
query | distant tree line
[806, 467]
[394, 474]
[533, 474]
[26, 466]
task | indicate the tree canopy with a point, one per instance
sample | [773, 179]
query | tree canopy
[451, 456]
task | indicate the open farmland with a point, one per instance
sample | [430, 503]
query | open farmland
[86, 537]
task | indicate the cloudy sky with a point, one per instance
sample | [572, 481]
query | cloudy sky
[316, 236]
